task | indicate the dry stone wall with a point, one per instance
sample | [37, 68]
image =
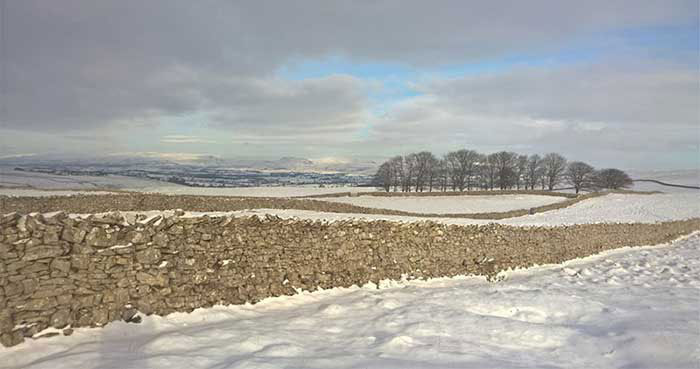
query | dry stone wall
[59, 271]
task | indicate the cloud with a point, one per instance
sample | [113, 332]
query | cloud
[172, 156]
[272, 106]
[142, 76]
[16, 156]
[616, 111]
[182, 139]
[619, 91]
[80, 64]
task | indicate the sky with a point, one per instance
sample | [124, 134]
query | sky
[613, 83]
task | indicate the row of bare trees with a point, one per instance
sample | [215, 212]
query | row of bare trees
[467, 170]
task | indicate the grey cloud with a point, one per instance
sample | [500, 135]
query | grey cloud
[618, 111]
[183, 139]
[75, 65]
[335, 103]
[611, 91]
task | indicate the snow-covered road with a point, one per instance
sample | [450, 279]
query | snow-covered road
[628, 308]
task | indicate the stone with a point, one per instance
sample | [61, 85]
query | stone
[9, 219]
[129, 314]
[80, 262]
[73, 235]
[138, 237]
[98, 237]
[176, 230]
[83, 301]
[13, 289]
[151, 280]
[121, 296]
[148, 256]
[6, 322]
[29, 285]
[160, 239]
[68, 331]
[100, 316]
[12, 338]
[5, 249]
[51, 238]
[42, 252]
[64, 299]
[34, 268]
[61, 265]
[40, 304]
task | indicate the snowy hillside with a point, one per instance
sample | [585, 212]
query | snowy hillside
[14, 178]
[689, 177]
[281, 191]
[613, 208]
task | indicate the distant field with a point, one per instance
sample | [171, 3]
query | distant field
[681, 177]
[450, 204]
[16, 179]
[612, 208]
[281, 191]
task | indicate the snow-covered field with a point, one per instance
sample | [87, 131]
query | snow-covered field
[628, 308]
[282, 191]
[450, 204]
[14, 178]
[690, 177]
[32, 184]
[25, 192]
[612, 208]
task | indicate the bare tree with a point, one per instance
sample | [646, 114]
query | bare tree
[488, 171]
[434, 171]
[443, 174]
[533, 172]
[383, 179]
[554, 167]
[461, 166]
[580, 175]
[397, 172]
[612, 179]
[520, 169]
[423, 163]
[505, 163]
[409, 171]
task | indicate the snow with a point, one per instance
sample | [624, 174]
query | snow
[281, 191]
[688, 177]
[25, 192]
[619, 208]
[611, 208]
[15, 178]
[627, 308]
[450, 204]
